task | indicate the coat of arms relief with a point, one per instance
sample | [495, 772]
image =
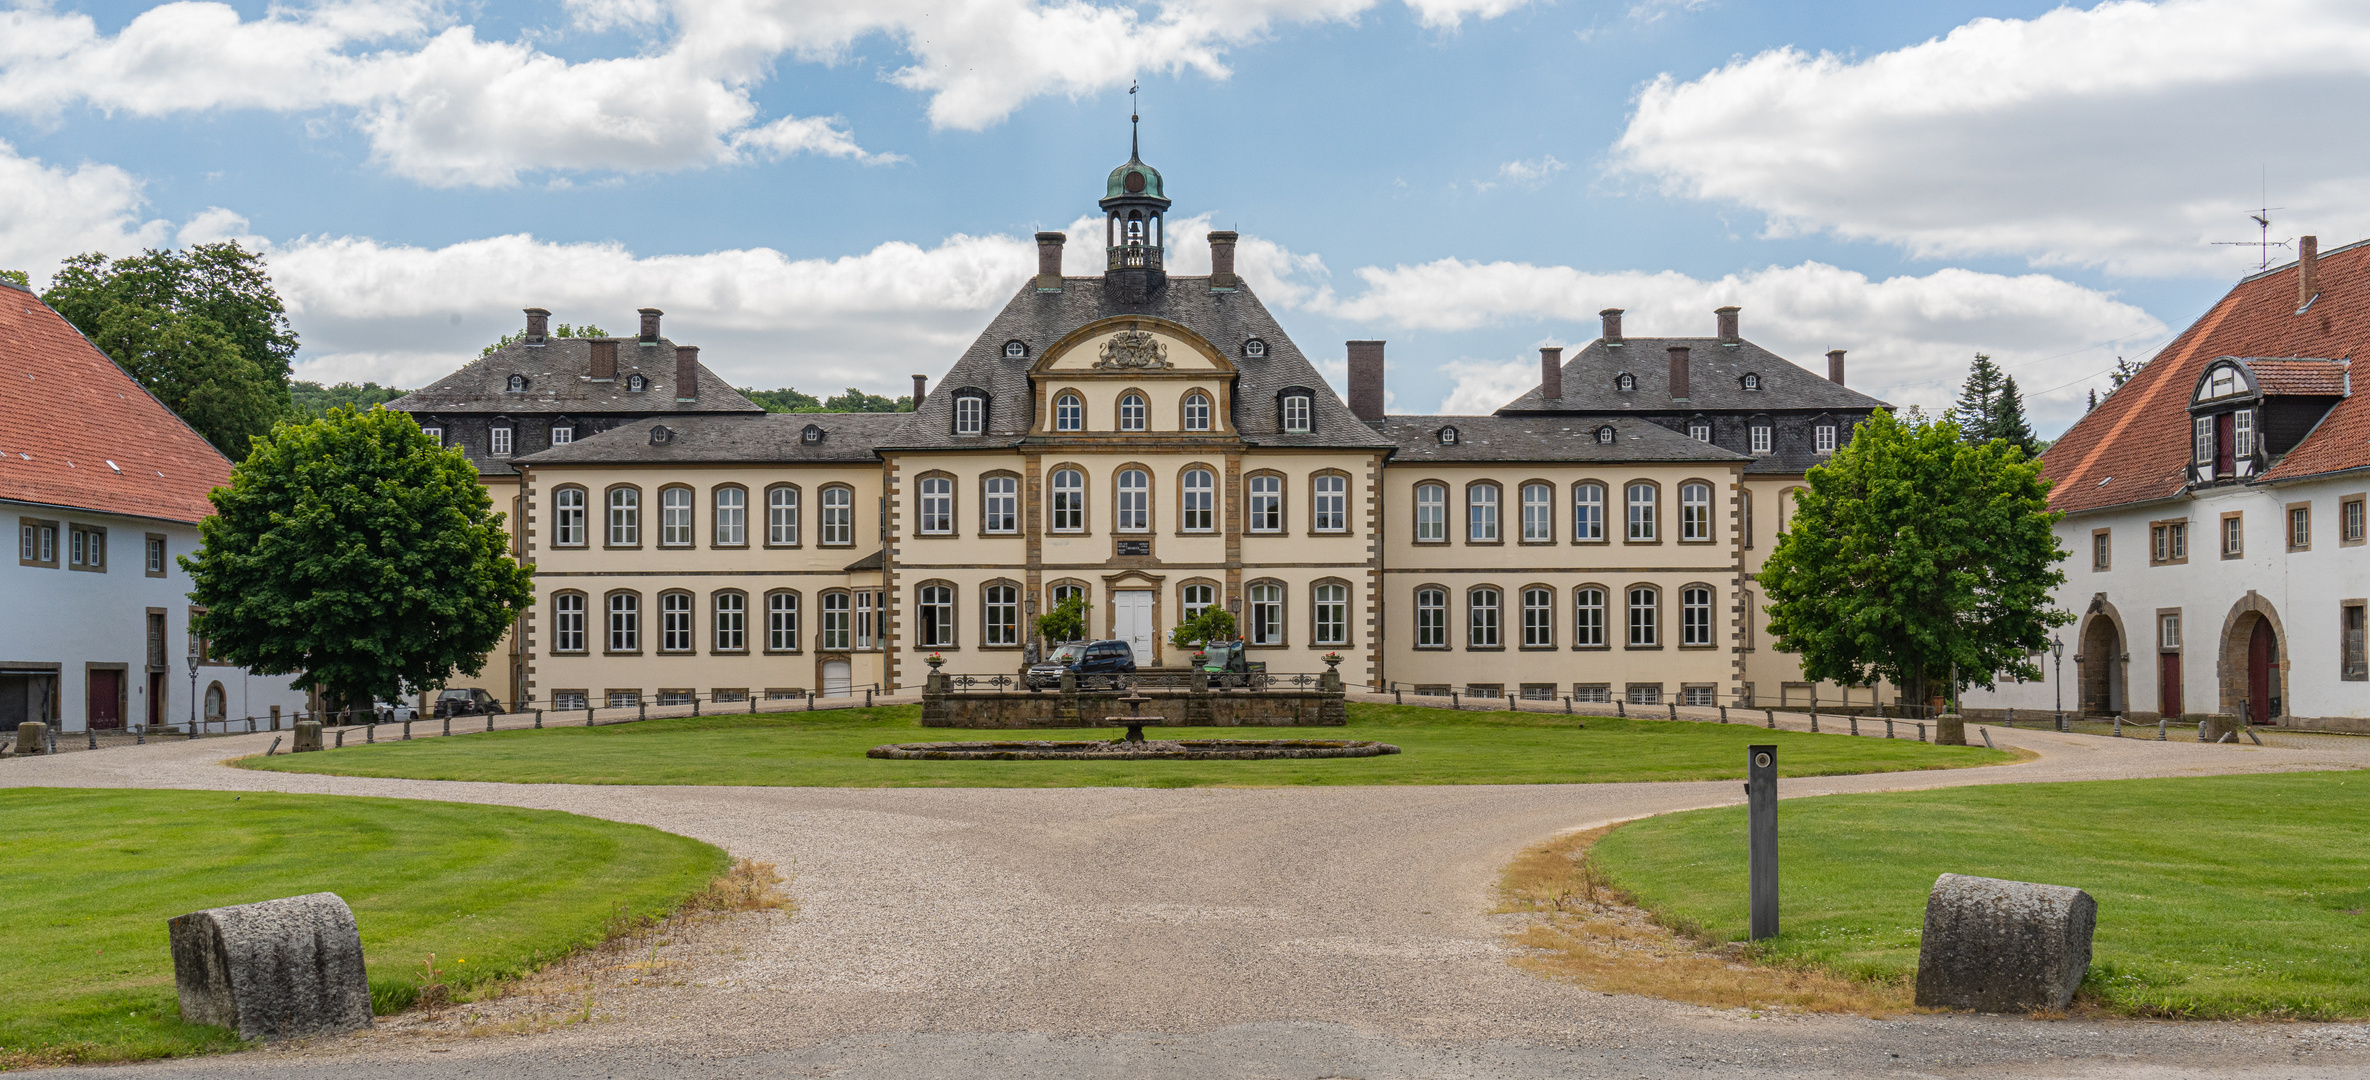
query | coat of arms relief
[1134, 349]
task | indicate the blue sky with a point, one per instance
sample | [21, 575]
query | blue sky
[832, 194]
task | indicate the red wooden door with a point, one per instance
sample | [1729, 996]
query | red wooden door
[106, 701]
[2225, 463]
[2168, 685]
[2259, 673]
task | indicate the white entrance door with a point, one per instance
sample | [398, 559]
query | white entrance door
[835, 678]
[1131, 622]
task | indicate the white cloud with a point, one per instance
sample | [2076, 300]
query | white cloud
[1531, 172]
[1910, 338]
[55, 212]
[2125, 136]
[443, 107]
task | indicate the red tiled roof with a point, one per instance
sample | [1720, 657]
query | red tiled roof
[2312, 378]
[66, 410]
[2135, 446]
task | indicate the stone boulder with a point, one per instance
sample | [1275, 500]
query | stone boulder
[2003, 946]
[308, 737]
[32, 737]
[272, 970]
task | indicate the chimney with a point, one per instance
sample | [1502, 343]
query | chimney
[1727, 324]
[1222, 277]
[1612, 317]
[604, 360]
[650, 326]
[921, 389]
[2308, 269]
[1678, 373]
[1835, 366]
[1049, 261]
[1551, 372]
[687, 373]
[538, 325]
[1366, 380]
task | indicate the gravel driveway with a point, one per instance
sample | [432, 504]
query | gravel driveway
[1280, 932]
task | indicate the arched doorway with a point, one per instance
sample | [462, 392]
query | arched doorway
[2254, 661]
[2102, 667]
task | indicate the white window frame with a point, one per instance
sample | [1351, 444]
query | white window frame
[781, 622]
[1431, 513]
[1134, 414]
[729, 621]
[838, 522]
[1695, 615]
[499, 441]
[1266, 503]
[567, 520]
[675, 622]
[1645, 616]
[1296, 413]
[936, 495]
[1538, 617]
[1761, 438]
[999, 505]
[567, 623]
[1431, 618]
[781, 516]
[674, 517]
[1200, 501]
[1196, 598]
[732, 516]
[1700, 431]
[1538, 513]
[1197, 412]
[2201, 440]
[1067, 508]
[834, 631]
[1588, 511]
[625, 622]
[1266, 603]
[1069, 412]
[1695, 511]
[2242, 433]
[1331, 613]
[1588, 617]
[1000, 608]
[625, 517]
[1330, 512]
[1481, 513]
[562, 434]
[1485, 606]
[1823, 438]
[1132, 506]
[1640, 514]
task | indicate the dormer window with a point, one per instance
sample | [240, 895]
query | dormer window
[433, 431]
[563, 432]
[499, 440]
[1699, 430]
[1625, 382]
[1606, 435]
[1296, 412]
[2242, 433]
[970, 414]
[1448, 436]
[811, 435]
[1823, 438]
[1016, 349]
[2223, 383]
[635, 384]
[660, 435]
[1751, 382]
[518, 384]
[1255, 349]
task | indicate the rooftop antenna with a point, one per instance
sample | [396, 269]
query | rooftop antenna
[1133, 153]
[2263, 243]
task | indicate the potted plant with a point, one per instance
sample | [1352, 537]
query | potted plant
[1332, 660]
[935, 661]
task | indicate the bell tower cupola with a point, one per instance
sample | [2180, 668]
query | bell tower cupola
[1133, 207]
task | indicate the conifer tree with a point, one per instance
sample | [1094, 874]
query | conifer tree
[2008, 422]
[1979, 401]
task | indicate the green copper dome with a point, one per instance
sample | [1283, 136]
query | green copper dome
[1137, 179]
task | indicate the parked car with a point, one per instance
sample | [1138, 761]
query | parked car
[395, 712]
[466, 702]
[1084, 659]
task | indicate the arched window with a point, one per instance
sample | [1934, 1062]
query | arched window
[834, 633]
[1695, 615]
[1266, 503]
[1199, 506]
[674, 622]
[1431, 513]
[1751, 381]
[1431, 618]
[1481, 617]
[518, 384]
[781, 516]
[1625, 382]
[1481, 514]
[567, 622]
[1538, 514]
[732, 517]
[937, 505]
[636, 383]
[1255, 348]
[1695, 512]
[674, 517]
[1133, 509]
[217, 703]
[1000, 614]
[1069, 501]
[1641, 512]
[1538, 617]
[1588, 617]
[1069, 413]
[999, 504]
[1197, 412]
[1267, 613]
[839, 517]
[1195, 598]
[1329, 604]
[1016, 350]
[781, 622]
[934, 615]
[1588, 512]
[1296, 413]
[625, 622]
[1331, 507]
[567, 524]
[1131, 413]
[1645, 616]
[970, 414]
[625, 517]
[731, 622]
[1606, 436]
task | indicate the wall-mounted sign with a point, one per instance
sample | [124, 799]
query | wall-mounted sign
[1135, 547]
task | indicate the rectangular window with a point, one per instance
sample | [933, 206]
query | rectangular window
[1700, 431]
[674, 517]
[1481, 622]
[1695, 616]
[1645, 693]
[1296, 413]
[674, 697]
[2201, 440]
[970, 415]
[1641, 512]
[2233, 535]
[2180, 540]
[2168, 631]
[625, 517]
[781, 517]
[1588, 512]
[1002, 606]
[1200, 501]
[623, 699]
[1068, 508]
[839, 517]
[781, 622]
[1823, 438]
[2102, 549]
[1588, 617]
[2242, 435]
[500, 442]
[1760, 438]
[435, 434]
[86, 547]
[155, 556]
[1695, 512]
[625, 623]
[2299, 528]
[1538, 514]
[1333, 504]
[567, 623]
[1133, 508]
[1593, 693]
[1697, 696]
[567, 517]
[1198, 599]
[1431, 619]
[835, 621]
[562, 435]
[732, 517]
[2349, 515]
[938, 505]
[1431, 514]
[567, 700]
[1481, 514]
[1332, 614]
[674, 622]
[1267, 614]
[999, 505]
[2356, 665]
[868, 607]
[732, 622]
[1538, 618]
[1645, 618]
[1267, 504]
[1538, 691]
[934, 610]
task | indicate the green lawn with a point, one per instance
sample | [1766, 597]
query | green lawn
[89, 877]
[2227, 896]
[827, 749]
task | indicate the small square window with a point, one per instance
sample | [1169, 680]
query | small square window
[562, 435]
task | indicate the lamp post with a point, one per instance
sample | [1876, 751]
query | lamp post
[193, 666]
[2057, 649]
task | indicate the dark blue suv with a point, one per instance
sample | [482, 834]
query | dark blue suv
[1082, 658]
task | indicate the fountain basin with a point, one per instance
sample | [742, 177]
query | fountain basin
[1121, 750]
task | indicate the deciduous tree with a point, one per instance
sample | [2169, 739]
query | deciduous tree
[1914, 555]
[355, 552]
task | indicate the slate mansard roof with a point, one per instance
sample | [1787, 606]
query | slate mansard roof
[765, 438]
[1225, 319]
[1715, 381]
[1484, 440]
[559, 381]
[79, 433]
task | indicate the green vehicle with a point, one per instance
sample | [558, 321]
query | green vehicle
[1227, 665]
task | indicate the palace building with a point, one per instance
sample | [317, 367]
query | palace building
[1157, 445]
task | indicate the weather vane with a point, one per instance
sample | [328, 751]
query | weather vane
[1133, 147]
[2263, 243]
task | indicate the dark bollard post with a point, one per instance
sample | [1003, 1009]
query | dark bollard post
[753, 701]
[1452, 700]
[2159, 729]
[489, 722]
[92, 734]
[1855, 719]
[810, 701]
[2061, 720]
[2118, 725]
[695, 704]
[538, 719]
[1921, 731]
[341, 738]
[407, 731]
[448, 724]
[370, 732]
[1621, 708]
[1395, 698]
[1761, 873]
[1814, 723]
[1773, 717]
[1674, 709]
[641, 707]
[1567, 706]
[588, 714]
[1888, 728]
[1723, 714]
[867, 697]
